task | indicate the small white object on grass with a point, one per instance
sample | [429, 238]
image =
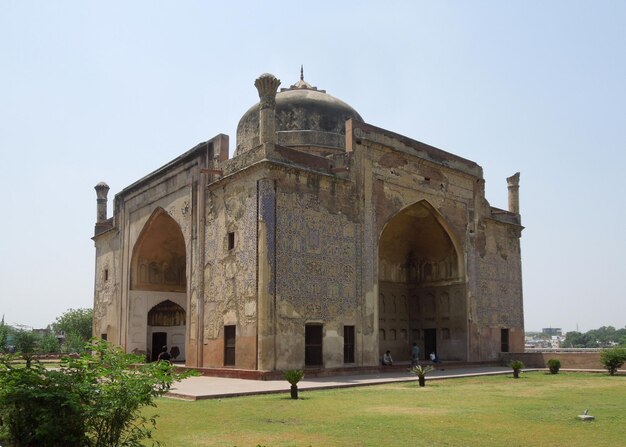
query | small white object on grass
[586, 416]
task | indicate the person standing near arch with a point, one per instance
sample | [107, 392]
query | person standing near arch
[415, 355]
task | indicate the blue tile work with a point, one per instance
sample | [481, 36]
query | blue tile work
[316, 259]
[267, 214]
[247, 254]
[230, 275]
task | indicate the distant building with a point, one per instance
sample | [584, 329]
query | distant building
[323, 242]
[552, 331]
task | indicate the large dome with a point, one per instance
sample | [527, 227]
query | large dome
[307, 119]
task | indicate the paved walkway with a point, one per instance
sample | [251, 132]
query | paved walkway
[204, 387]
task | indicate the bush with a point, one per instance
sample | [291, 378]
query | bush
[421, 371]
[516, 366]
[93, 400]
[38, 406]
[293, 376]
[554, 365]
[613, 359]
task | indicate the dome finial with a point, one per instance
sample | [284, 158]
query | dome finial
[302, 84]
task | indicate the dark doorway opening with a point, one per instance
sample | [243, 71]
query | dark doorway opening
[159, 339]
[430, 342]
[348, 344]
[229, 345]
[504, 340]
[313, 345]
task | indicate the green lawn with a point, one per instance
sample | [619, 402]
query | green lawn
[536, 410]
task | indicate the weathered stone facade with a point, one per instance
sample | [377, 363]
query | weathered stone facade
[321, 243]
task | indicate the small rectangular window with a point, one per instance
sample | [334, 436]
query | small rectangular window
[348, 344]
[229, 345]
[504, 340]
[103, 337]
[231, 240]
[106, 274]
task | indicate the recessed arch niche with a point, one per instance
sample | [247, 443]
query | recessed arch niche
[419, 258]
[158, 297]
[159, 261]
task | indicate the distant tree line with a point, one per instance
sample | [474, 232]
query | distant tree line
[604, 337]
[68, 334]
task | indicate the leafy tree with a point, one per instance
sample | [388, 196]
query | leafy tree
[605, 336]
[49, 344]
[577, 340]
[4, 335]
[94, 400]
[73, 343]
[613, 359]
[76, 324]
[26, 343]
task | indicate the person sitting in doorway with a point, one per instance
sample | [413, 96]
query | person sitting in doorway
[387, 360]
[164, 355]
[434, 358]
[175, 352]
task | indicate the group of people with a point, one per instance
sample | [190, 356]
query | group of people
[415, 357]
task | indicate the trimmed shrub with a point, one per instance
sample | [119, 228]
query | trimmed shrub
[293, 376]
[516, 366]
[554, 365]
[421, 371]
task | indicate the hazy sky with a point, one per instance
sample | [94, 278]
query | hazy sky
[109, 91]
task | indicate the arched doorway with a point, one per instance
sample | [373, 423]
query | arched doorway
[166, 327]
[158, 298]
[421, 292]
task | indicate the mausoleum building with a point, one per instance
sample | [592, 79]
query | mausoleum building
[323, 242]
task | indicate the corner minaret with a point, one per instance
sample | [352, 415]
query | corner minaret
[102, 224]
[267, 84]
[513, 183]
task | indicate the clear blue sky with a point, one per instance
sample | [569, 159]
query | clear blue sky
[109, 91]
